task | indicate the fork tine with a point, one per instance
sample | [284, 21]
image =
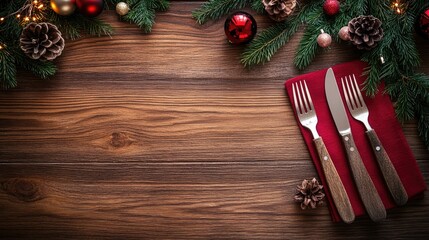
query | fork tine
[295, 100]
[352, 100]
[354, 90]
[359, 93]
[300, 99]
[304, 97]
[310, 101]
[346, 93]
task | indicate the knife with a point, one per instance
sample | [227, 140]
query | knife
[367, 191]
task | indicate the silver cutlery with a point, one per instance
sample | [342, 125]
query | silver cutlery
[307, 116]
[367, 191]
[359, 111]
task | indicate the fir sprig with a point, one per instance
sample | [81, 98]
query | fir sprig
[142, 15]
[307, 48]
[215, 9]
[41, 69]
[142, 12]
[270, 40]
[7, 70]
[423, 122]
[73, 26]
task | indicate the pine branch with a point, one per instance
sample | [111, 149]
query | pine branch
[423, 124]
[142, 12]
[7, 70]
[267, 43]
[409, 57]
[405, 104]
[215, 9]
[95, 27]
[373, 80]
[68, 26]
[41, 69]
[10, 29]
[72, 26]
[409, 91]
[307, 48]
[142, 15]
[161, 5]
[258, 6]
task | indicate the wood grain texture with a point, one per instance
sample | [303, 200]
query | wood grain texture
[393, 182]
[335, 185]
[166, 136]
[366, 188]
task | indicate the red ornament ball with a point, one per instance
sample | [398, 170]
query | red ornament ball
[240, 28]
[90, 8]
[423, 23]
[331, 7]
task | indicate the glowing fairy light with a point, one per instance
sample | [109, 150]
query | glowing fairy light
[398, 7]
[32, 10]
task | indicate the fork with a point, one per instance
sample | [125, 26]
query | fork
[359, 111]
[307, 117]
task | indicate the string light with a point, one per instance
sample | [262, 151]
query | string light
[398, 7]
[32, 10]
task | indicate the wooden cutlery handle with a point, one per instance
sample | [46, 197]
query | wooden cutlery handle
[336, 187]
[367, 191]
[389, 173]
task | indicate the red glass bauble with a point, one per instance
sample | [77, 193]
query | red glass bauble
[331, 7]
[90, 8]
[240, 28]
[423, 23]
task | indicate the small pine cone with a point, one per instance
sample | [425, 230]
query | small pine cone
[279, 10]
[365, 32]
[309, 194]
[41, 41]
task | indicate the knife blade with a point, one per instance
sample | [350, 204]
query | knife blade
[367, 191]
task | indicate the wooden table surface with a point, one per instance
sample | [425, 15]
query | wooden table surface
[166, 136]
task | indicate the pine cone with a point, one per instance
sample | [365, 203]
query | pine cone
[309, 194]
[365, 32]
[41, 41]
[279, 10]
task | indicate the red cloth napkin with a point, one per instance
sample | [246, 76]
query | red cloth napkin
[381, 117]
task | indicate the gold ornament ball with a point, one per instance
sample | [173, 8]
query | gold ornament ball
[122, 8]
[324, 40]
[63, 7]
[344, 33]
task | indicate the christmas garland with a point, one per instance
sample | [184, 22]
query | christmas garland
[32, 31]
[389, 49]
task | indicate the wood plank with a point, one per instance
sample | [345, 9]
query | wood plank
[176, 201]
